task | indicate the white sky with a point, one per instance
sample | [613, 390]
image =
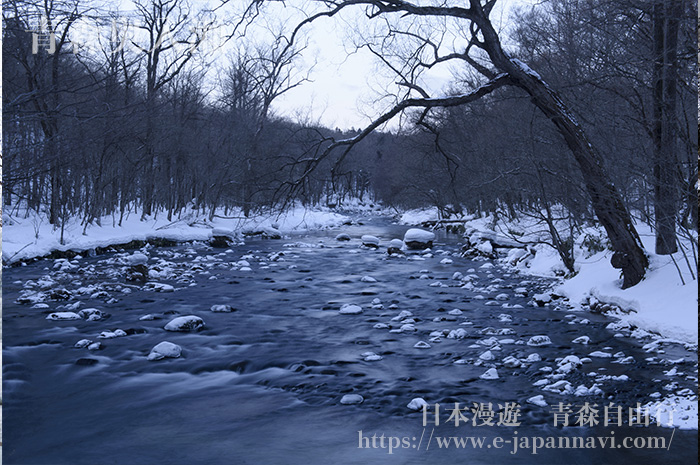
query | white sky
[344, 87]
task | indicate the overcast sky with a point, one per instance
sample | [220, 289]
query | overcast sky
[344, 87]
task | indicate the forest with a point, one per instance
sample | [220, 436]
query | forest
[146, 122]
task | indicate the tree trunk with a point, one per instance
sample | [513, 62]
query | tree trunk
[607, 203]
[665, 157]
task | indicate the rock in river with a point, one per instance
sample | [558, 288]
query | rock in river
[185, 323]
[418, 239]
[165, 349]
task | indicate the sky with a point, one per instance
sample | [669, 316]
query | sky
[344, 88]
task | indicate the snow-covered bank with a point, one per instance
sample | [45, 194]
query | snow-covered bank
[661, 303]
[25, 237]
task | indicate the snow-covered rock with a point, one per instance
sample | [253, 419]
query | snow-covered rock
[396, 246]
[491, 373]
[417, 404]
[421, 345]
[342, 237]
[92, 314]
[136, 259]
[537, 341]
[538, 400]
[165, 349]
[351, 399]
[370, 241]
[418, 239]
[350, 309]
[60, 316]
[221, 308]
[185, 323]
[582, 340]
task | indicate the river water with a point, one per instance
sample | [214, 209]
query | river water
[263, 384]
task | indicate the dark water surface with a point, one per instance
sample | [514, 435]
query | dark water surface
[262, 385]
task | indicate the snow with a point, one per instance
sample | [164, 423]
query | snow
[27, 234]
[418, 235]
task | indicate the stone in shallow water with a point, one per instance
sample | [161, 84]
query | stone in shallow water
[342, 237]
[537, 341]
[370, 241]
[350, 399]
[491, 373]
[81, 344]
[220, 308]
[417, 404]
[538, 400]
[421, 345]
[62, 316]
[165, 349]
[185, 323]
[487, 356]
[418, 239]
[368, 279]
[582, 340]
[350, 309]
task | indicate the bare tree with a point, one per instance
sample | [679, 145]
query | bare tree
[486, 55]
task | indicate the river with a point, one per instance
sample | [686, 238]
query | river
[263, 384]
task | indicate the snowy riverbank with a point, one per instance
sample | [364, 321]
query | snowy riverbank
[661, 303]
[25, 237]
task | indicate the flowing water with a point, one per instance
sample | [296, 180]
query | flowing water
[263, 384]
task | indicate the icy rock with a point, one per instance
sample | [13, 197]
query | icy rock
[81, 344]
[421, 345]
[511, 362]
[533, 358]
[94, 346]
[407, 328]
[418, 239]
[417, 404]
[537, 341]
[491, 373]
[351, 399]
[488, 356]
[370, 241]
[350, 309]
[221, 308]
[538, 400]
[457, 276]
[502, 297]
[149, 317]
[381, 326]
[582, 340]
[165, 349]
[185, 323]
[455, 312]
[59, 316]
[342, 237]
[446, 261]
[368, 279]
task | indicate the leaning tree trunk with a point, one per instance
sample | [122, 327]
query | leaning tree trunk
[607, 203]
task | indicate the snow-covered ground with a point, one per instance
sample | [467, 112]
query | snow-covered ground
[28, 236]
[661, 303]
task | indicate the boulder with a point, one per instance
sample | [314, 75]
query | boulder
[163, 350]
[370, 241]
[185, 323]
[418, 239]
